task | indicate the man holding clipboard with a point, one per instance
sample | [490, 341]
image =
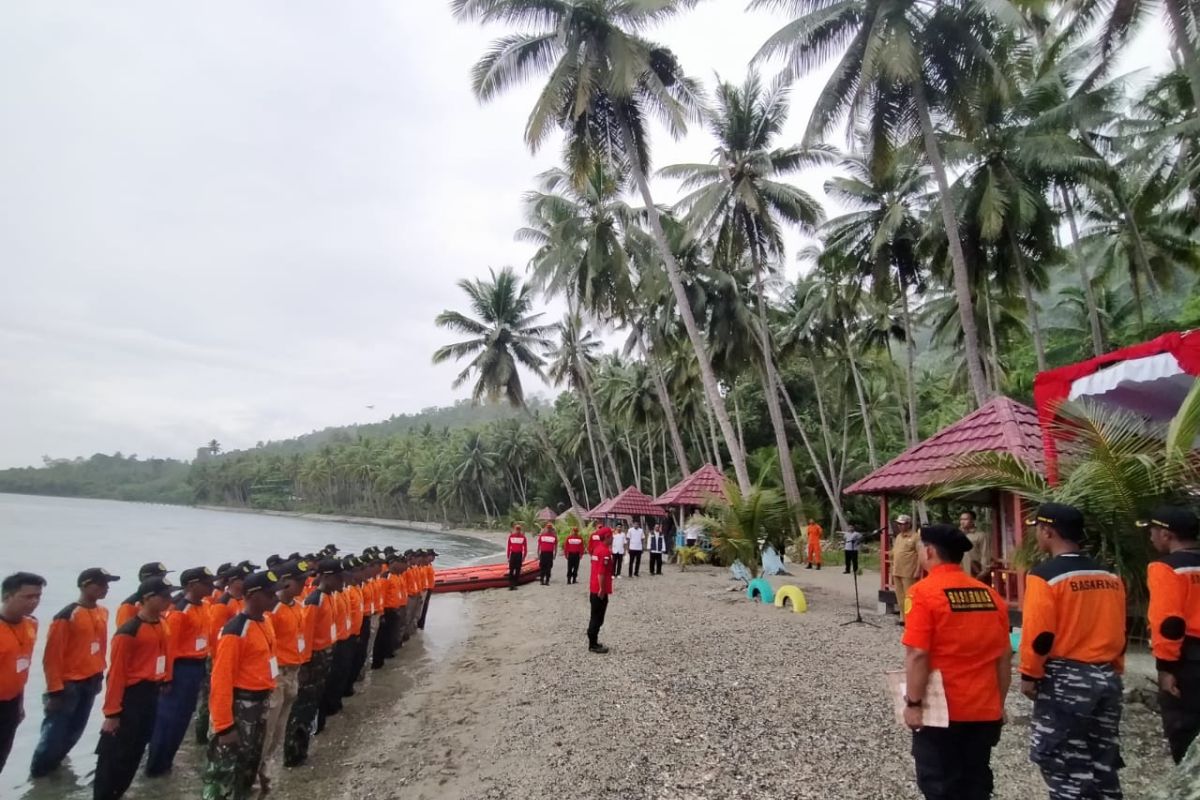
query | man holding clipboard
[956, 626]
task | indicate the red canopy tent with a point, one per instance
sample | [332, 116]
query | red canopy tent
[1150, 379]
[629, 503]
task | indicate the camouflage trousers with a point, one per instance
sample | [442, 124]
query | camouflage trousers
[1184, 781]
[303, 718]
[202, 705]
[1077, 730]
[232, 769]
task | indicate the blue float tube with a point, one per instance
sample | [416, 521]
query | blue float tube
[760, 590]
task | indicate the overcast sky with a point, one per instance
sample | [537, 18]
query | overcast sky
[238, 220]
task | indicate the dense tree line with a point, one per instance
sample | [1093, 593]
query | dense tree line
[116, 477]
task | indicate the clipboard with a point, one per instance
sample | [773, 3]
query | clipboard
[936, 714]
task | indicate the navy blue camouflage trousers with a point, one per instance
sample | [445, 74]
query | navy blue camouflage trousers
[1077, 731]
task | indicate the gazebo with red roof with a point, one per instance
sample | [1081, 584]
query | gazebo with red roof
[1000, 425]
[546, 515]
[696, 490]
[629, 503]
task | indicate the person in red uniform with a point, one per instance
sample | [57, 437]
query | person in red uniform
[139, 666]
[573, 550]
[189, 624]
[1174, 618]
[547, 545]
[73, 664]
[20, 594]
[129, 606]
[244, 670]
[599, 590]
[598, 536]
[518, 546]
[957, 626]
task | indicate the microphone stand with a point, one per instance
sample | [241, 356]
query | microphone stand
[858, 618]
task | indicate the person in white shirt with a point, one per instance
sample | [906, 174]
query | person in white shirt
[618, 549]
[637, 543]
[658, 548]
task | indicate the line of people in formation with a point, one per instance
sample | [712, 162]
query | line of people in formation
[1071, 655]
[260, 657]
[632, 540]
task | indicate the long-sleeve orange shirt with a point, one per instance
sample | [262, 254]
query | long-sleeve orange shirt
[128, 609]
[291, 646]
[354, 597]
[219, 613]
[75, 646]
[1174, 613]
[428, 569]
[141, 651]
[245, 660]
[1074, 610]
[389, 592]
[318, 612]
[191, 629]
[16, 654]
[341, 614]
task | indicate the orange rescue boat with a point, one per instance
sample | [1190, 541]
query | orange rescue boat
[482, 576]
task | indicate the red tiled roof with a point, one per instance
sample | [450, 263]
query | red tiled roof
[697, 489]
[546, 515]
[580, 513]
[629, 503]
[1001, 425]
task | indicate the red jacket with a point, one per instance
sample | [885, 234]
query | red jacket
[548, 543]
[517, 543]
[573, 546]
[597, 536]
[601, 582]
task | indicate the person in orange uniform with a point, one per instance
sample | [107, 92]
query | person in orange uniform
[959, 627]
[292, 652]
[547, 545]
[599, 590]
[129, 606]
[1174, 617]
[813, 532]
[1072, 657]
[220, 611]
[139, 666]
[427, 556]
[394, 600]
[517, 547]
[415, 586]
[189, 623]
[244, 670]
[73, 664]
[320, 633]
[20, 594]
[356, 577]
[339, 662]
[573, 551]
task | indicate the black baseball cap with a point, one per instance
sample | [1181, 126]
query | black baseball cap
[291, 569]
[1067, 520]
[96, 575]
[350, 562]
[156, 586]
[331, 548]
[274, 559]
[221, 570]
[1179, 520]
[248, 566]
[151, 570]
[196, 575]
[259, 582]
[329, 566]
[946, 537]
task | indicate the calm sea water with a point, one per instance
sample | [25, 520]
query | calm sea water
[58, 537]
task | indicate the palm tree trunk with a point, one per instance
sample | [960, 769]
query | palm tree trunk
[586, 498]
[707, 376]
[540, 432]
[587, 419]
[1089, 291]
[993, 349]
[737, 415]
[662, 435]
[650, 460]
[660, 388]
[633, 463]
[835, 500]
[910, 367]
[712, 430]
[962, 280]
[1031, 309]
[824, 419]
[590, 398]
[872, 456]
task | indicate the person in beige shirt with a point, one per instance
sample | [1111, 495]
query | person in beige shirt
[979, 558]
[906, 563]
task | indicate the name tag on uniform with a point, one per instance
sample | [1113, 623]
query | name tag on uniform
[160, 665]
[22, 664]
[95, 648]
[347, 623]
[201, 643]
[970, 600]
[333, 631]
[274, 666]
[300, 644]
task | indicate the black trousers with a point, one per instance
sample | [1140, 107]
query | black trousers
[656, 563]
[573, 568]
[1181, 715]
[596, 621]
[336, 682]
[10, 718]
[424, 609]
[618, 559]
[635, 562]
[120, 753]
[514, 570]
[545, 565]
[851, 561]
[384, 639]
[954, 763]
[361, 643]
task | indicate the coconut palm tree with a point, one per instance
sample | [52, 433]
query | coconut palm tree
[739, 201]
[742, 524]
[605, 81]
[903, 62]
[503, 334]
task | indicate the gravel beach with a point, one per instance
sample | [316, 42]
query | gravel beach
[704, 695]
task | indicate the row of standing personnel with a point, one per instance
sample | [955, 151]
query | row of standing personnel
[573, 548]
[261, 658]
[1071, 656]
